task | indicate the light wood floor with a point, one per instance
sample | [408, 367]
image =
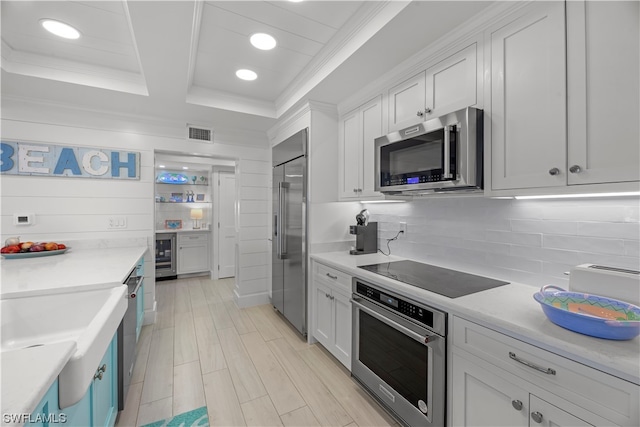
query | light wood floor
[248, 366]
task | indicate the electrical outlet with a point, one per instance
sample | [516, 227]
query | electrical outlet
[403, 227]
[117, 222]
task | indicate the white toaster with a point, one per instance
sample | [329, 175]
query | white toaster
[612, 282]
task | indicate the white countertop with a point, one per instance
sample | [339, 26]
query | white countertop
[72, 271]
[509, 309]
[28, 373]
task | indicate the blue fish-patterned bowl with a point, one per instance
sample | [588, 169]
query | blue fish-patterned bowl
[590, 314]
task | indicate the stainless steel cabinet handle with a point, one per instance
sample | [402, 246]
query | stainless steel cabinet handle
[332, 276]
[531, 365]
[517, 405]
[327, 295]
[98, 376]
[101, 370]
[575, 169]
[554, 171]
[331, 297]
[537, 417]
[427, 110]
[419, 113]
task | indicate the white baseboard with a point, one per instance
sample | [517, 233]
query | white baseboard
[244, 301]
[150, 316]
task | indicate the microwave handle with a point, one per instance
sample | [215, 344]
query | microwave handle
[447, 153]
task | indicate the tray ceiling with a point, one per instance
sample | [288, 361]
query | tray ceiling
[179, 58]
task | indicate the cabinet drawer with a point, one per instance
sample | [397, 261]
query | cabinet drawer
[593, 390]
[192, 239]
[333, 277]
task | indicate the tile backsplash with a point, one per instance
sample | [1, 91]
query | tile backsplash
[528, 241]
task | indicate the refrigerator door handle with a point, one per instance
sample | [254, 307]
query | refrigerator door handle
[282, 210]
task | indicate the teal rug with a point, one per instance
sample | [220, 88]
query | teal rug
[196, 418]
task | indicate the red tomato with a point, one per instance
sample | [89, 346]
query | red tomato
[61, 246]
[13, 249]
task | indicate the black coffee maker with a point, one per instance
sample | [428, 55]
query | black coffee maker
[366, 234]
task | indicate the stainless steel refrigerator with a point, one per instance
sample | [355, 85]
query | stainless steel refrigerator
[289, 237]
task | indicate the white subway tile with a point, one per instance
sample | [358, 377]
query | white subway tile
[544, 227]
[622, 230]
[585, 244]
[527, 239]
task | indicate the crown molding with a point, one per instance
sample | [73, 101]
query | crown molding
[29, 64]
[369, 19]
[224, 100]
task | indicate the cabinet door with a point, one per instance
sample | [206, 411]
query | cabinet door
[452, 84]
[545, 414]
[371, 129]
[350, 154]
[527, 116]
[105, 390]
[603, 57]
[323, 315]
[193, 259]
[407, 102]
[482, 398]
[80, 413]
[342, 328]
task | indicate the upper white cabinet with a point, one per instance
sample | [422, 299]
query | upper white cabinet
[358, 130]
[562, 98]
[448, 86]
[603, 57]
[526, 105]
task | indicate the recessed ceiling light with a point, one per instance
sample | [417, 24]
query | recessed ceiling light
[263, 41]
[60, 29]
[295, 1]
[246, 75]
[185, 167]
[161, 166]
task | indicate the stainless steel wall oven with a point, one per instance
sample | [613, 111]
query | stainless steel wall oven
[399, 353]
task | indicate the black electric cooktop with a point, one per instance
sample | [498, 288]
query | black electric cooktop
[450, 283]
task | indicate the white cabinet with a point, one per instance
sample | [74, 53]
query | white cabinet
[193, 252]
[603, 60]
[358, 130]
[332, 311]
[563, 99]
[449, 85]
[500, 381]
[526, 105]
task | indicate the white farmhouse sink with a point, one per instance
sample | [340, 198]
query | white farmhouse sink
[89, 318]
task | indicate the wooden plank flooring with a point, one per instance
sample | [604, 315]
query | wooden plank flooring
[248, 366]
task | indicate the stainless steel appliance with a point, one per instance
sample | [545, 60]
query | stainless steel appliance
[127, 338]
[399, 345]
[399, 353]
[441, 154]
[289, 239]
[166, 256]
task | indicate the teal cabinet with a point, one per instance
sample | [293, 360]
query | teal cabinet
[104, 388]
[98, 407]
[47, 412]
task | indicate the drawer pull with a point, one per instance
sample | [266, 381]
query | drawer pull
[547, 371]
[332, 276]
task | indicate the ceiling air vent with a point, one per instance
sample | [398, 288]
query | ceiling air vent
[199, 134]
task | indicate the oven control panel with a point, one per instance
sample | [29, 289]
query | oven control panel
[420, 314]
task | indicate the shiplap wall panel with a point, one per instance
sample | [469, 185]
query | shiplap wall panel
[528, 241]
[90, 202]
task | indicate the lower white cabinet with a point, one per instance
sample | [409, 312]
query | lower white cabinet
[500, 381]
[193, 252]
[332, 311]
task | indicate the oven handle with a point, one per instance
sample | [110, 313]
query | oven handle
[425, 340]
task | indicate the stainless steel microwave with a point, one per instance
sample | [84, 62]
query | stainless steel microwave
[442, 154]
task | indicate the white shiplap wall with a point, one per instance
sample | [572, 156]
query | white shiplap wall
[528, 241]
[74, 209]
